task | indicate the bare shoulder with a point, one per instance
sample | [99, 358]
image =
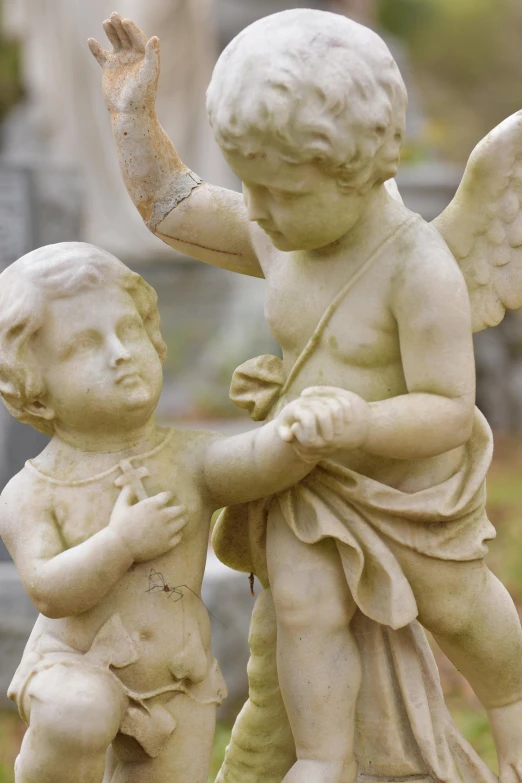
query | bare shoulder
[189, 447]
[425, 270]
[421, 249]
[22, 501]
[19, 489]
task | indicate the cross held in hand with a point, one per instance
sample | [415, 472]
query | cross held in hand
[133, 476]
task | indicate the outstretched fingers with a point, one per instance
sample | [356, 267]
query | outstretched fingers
[112, 35]
[152, 53]
[98, 51]
[117, 23]
[137, 37]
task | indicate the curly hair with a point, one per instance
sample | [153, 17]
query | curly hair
[26, 287]
[318, 87]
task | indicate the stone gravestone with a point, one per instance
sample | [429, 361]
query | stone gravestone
[38, 206]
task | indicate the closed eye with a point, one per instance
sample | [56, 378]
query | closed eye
[289, 195]
[286, 195]
[81, 343]
[130, 327]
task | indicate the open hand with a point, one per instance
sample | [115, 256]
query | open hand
[148, 528]
[131, 70]
[324, 419]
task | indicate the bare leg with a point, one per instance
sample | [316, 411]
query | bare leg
[74, 716]
[317, 656]
[186, 755]
[474, 620]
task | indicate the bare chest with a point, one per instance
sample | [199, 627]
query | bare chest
[355, 328]
[82, 508]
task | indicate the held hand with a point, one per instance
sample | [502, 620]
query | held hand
[131, 70]
[323, 420]
[148, 528]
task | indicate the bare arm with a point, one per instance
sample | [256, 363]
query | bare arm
[206, 222]
[62, 581]
[253, 465]
[274, 457]
[436, 415]
[431, 305]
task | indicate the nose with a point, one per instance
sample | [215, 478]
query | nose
[118, 352]
[255, 204]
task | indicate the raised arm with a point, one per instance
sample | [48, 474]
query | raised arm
[200, 220]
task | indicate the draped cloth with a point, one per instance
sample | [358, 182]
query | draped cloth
[446, 521]
[403, 728]
[404, 731]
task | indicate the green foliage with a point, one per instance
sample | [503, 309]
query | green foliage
[11, 733]
[473, 724]
[10, 87]
[10, 78]
[221, 741]
[406, 18]
[466, 60]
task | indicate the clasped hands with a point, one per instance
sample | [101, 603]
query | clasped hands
[323, 420]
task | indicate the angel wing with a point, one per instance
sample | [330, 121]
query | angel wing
[483, 224]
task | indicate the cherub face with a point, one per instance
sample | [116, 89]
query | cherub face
[296, 204]
[99, 366]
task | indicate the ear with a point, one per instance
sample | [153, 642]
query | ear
[40, 409]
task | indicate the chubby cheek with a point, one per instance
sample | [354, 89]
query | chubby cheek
[77, 399]
[147, 362]
[155, 374]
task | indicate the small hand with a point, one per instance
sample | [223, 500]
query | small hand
[148, 528]
[131, 70]
[323, 420]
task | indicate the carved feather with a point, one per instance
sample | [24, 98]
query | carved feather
[483, 224]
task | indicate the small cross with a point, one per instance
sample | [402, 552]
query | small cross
[132, 477]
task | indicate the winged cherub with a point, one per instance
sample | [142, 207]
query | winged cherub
[309, 110]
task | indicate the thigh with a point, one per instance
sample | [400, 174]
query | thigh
[68, 701]
[444, 589]
[305, 574]
[186, 755]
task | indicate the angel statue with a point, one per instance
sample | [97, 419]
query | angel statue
[388, 535]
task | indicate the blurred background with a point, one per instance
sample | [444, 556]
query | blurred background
[59, 181]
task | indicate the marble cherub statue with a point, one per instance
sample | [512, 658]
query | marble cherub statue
[109, 525]
[309, 110]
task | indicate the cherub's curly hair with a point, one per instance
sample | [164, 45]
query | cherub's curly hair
[317, 86]
[55, 272]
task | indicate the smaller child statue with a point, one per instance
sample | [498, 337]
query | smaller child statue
[109, 525]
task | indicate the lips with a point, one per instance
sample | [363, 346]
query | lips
[131, 375]
[270, 231]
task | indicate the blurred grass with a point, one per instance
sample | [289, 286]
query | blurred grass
[505, 559]
[11, 733]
